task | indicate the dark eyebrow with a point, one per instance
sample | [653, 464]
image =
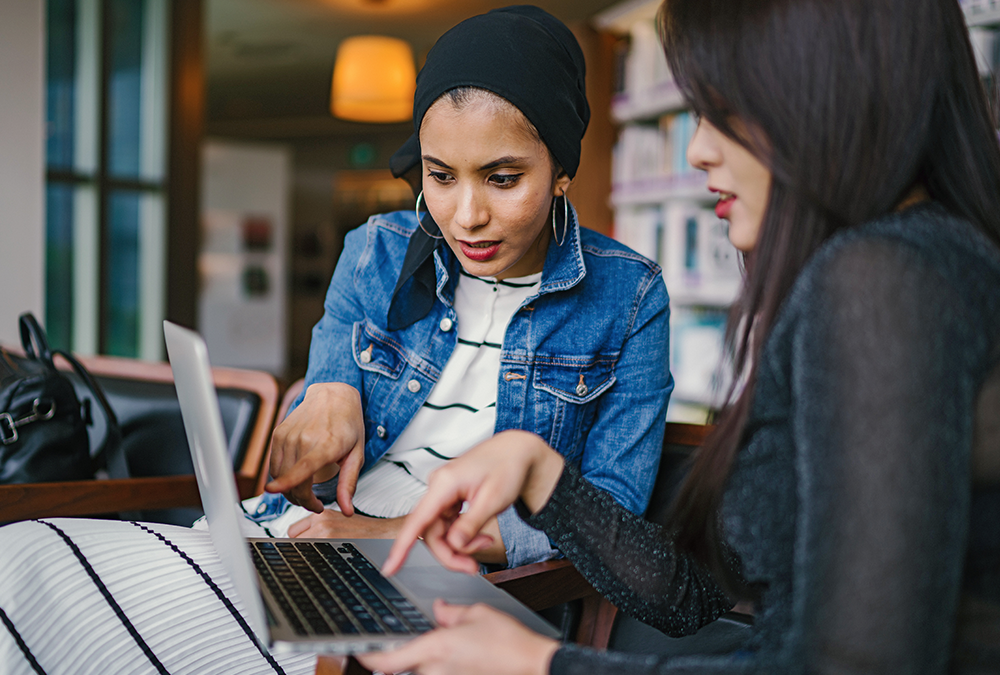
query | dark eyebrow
[510, 159]
[435, 160]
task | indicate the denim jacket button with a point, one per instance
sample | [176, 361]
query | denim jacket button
[366, 355]
[413, 386]
[446, 324]
[380, 431]
[581, 389]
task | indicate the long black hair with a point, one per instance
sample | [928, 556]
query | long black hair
[851, 104]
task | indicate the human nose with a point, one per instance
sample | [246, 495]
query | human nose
[702, 152]
[470, 213]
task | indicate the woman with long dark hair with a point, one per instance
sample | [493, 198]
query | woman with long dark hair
[846, 489]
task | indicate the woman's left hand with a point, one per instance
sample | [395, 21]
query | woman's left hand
[335, 525]
[472, 639]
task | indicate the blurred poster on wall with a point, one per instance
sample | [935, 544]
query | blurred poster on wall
[242, 262]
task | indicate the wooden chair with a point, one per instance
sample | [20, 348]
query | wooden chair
[139, 392]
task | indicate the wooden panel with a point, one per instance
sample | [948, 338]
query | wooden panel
[90, 497]
[596, 621]
[693, 435]
[590, 191]
[543, 585]
[187, 123]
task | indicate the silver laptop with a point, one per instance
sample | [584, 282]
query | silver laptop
[316, 595]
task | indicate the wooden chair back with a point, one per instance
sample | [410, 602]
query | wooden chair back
[250, 397]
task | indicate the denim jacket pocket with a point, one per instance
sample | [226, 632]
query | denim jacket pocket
[574, 380]
[567, 388]
[376, 352]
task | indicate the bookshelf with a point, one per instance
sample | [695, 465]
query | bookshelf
[984, 13]
[663, 209]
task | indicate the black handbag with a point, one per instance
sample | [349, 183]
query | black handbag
[43, 424]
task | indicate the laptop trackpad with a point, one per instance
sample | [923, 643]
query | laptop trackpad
[435, 583]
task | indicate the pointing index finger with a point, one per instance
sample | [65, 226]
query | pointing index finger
[430, 509]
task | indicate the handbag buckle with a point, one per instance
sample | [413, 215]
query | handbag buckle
[8, 429]
[39, 412]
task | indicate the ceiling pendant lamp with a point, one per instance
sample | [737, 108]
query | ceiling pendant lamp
[373, 80]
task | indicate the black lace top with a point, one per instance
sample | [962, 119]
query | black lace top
[865, 504]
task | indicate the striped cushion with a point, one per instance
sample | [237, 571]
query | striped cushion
[109, 597]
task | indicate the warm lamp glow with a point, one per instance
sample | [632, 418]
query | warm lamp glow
[373, 80]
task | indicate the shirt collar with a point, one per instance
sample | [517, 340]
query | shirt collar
[430, 269]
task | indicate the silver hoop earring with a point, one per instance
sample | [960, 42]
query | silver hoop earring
[555, 232]
[416, 210]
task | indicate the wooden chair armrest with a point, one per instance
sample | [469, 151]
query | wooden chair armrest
[544, 584]
[91, 497]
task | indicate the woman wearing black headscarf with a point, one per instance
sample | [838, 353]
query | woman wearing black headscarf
[406, 369]
[487, 309]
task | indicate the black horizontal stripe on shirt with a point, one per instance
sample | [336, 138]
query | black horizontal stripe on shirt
[218, 592]
[477, 345]
[108, 598]
[247, 515]
[509, 284]
[402, 466]
[459, 405]
[438, 454]
[21, 644]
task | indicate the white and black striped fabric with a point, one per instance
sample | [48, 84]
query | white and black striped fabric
[460, 410]
[112, 597]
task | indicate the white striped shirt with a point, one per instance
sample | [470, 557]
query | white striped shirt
[460, 410]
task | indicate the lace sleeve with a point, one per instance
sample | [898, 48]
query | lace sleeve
[629, 560]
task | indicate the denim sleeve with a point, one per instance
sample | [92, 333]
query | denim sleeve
[523, 543]
[623, 447]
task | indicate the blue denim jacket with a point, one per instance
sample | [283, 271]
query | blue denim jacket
[584, 362]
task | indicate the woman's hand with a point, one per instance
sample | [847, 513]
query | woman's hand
[472, 639]
[324, 435]
[490, 477]
[335, 525]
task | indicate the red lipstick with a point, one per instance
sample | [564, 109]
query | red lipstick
[724, 205]
[479, 253]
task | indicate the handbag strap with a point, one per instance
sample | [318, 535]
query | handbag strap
[111, 452]
[32, 335]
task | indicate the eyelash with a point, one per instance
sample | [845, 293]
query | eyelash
[500, 180]
[505, 180]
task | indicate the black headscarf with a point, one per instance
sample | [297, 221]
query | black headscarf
[528, 57]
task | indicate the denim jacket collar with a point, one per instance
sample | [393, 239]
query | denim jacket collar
[564, 266]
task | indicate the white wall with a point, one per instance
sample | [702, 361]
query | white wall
[244, 184]
[22, 117]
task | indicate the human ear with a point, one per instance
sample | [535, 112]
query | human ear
[561, 184]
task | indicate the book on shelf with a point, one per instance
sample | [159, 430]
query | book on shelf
[984, 46]
[976, 6]
[700, 265]
[697, 337]
[650, 151]
[644, 85]
[691, 244]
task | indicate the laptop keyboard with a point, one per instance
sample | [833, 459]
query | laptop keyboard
[325, 589]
